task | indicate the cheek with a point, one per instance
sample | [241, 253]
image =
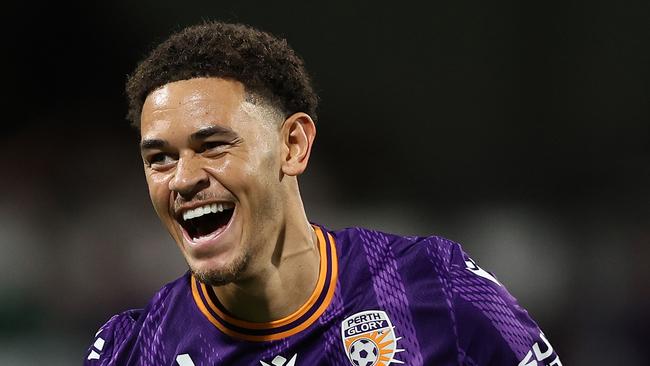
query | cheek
[265, 160]
[233, 168]
[159, 193]
[251, 173]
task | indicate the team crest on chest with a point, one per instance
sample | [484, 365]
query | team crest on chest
[369, 339]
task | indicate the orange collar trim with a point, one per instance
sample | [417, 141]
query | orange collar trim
[294, 323]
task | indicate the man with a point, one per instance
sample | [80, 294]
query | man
[226, 116]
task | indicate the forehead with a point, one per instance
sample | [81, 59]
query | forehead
[200, 100]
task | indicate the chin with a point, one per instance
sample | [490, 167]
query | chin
[209, 273]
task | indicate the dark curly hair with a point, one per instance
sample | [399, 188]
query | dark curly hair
[266, 65]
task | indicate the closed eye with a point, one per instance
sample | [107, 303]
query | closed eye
[213, 147]
[212, 144]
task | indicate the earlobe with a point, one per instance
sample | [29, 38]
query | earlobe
[298, 133]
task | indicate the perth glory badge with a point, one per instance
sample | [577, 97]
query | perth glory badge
[369, 339]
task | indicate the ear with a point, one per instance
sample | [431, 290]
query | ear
[298, 133]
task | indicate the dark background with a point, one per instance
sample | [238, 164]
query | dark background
[521, 130]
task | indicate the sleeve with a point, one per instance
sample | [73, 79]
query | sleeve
[110, 337]
[492, 328]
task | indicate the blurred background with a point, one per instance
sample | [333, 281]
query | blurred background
[521, 130]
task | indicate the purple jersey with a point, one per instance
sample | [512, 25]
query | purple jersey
[380, 300]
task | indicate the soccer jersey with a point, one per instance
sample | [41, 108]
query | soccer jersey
[380, 300]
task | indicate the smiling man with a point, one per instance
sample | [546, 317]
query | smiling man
[226, 117]
[221, 171]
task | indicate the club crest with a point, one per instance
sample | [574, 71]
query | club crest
[369, 339]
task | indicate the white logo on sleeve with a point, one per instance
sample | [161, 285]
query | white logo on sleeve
[184, 360]
[97, 347]
[281, 361]
[474, 268]
[539, 355]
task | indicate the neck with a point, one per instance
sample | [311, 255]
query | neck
[285, 282]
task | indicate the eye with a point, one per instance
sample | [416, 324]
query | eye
[211, 145]
[160, 160]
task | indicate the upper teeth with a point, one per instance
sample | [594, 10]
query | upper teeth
[210, 208]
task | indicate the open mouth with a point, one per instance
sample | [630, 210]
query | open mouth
[207, 219]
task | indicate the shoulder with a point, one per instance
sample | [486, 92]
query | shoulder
[417, 267]
[489, 325]
[436, 251]
[110, 336]
[114, 335]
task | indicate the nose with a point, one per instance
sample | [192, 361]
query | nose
[190, 177]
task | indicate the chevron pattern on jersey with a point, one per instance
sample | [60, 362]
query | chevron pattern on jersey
[152, 349]
[208, 351]
[483, 294]
[390, 291]
[439, 256]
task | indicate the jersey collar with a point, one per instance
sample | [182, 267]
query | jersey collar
[302, 318]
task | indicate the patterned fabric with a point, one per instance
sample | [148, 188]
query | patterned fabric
[386, 281]
[382, 299]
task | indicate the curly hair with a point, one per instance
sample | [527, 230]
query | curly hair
[266, 65]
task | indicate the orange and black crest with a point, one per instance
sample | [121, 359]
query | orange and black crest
[369, 339]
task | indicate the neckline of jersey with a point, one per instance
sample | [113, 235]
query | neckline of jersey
[294, 323]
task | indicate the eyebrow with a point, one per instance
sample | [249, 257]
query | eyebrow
[152, 144]
[198, 135]
[210, 131]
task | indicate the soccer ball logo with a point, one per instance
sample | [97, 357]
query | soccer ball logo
[363, 352]
[369, 339]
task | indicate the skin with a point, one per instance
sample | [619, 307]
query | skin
[204, 142]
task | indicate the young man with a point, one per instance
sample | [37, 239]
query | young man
[226, 115]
